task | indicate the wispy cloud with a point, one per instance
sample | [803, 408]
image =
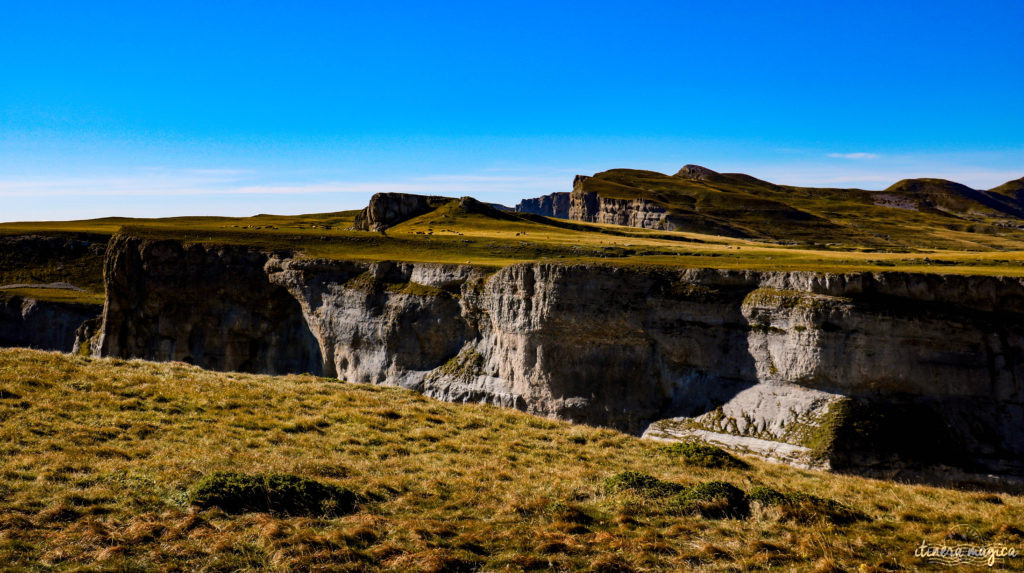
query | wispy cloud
[193, 182]
[857, 155]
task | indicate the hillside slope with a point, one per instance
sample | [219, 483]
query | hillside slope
[910, 213]
[111, 464]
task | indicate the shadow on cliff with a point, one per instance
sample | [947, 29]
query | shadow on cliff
[209, 306]
[670, 349]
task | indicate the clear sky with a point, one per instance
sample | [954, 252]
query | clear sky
[230, 107]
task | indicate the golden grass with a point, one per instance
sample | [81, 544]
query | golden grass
[448, 235]
[98, 456]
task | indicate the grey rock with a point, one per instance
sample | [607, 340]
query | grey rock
[554, 205]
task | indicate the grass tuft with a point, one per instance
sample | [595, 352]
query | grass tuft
[804, 508]
[642, 484]
[285, 494]
[713, 499]
[705, 455]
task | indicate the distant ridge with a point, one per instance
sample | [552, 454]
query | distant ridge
[699, 199]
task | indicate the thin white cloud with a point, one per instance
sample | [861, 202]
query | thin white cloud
[858, 155]
[191, 182]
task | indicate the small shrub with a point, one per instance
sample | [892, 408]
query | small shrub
[641, 483]
[275, 493]
[767, 495]
[713, 499]
[705, 455]
[805, 508]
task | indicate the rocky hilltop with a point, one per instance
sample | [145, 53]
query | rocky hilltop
[859, 372]
[594, 207]
[698, 199]
[387, 209]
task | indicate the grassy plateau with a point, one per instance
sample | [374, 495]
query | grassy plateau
[127, 465]
[452, 235]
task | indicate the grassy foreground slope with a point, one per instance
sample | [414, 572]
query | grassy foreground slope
[102, 460]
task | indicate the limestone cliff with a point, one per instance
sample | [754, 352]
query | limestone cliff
[594, 207]
[853, 371]
[554, 205]
[208, 306]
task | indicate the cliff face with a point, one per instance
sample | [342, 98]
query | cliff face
[42, 324]
[592, 207]
[553, 205]
[208, 306]
[814, 369]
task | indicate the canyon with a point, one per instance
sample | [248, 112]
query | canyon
[865, 372]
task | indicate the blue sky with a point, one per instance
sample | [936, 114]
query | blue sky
[159, 108]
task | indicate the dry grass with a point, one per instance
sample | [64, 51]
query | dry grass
[98, 457]
[450, 236]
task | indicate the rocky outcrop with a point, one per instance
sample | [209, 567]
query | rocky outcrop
[816, 369]
[42, 324]
[585, 203]
[554, 205]
[629, 212]
[591, 207]
[388, 209]
[696, 173]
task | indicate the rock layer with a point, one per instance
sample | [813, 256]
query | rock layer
[819, 365]
[592, 207]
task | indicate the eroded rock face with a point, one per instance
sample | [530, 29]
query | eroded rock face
[211, 306]
[389, 209]
[45, 325]
[591, 207]
[553, 205]
[789, 363]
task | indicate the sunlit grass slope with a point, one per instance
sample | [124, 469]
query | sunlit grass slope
[453, 233]
[930, 213]
[101, 460]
